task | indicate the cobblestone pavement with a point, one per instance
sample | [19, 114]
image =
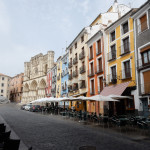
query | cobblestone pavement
[50, 132]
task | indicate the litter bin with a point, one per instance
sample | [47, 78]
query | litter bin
[87, 148]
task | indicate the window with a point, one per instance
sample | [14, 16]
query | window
[146, 57]
[125, 28]
[70, 50]
[98, 46]
[91, 53]
[91, 71]
[82, 38]
[75, 45]
[126, 47]
[113, 75]
[2, 91]
[2, 84]
[112, 54]
[100, 84]
[99, 65]
[112, 35]
[92, 89]
[143, 23]
[3, 78]
[126, 73]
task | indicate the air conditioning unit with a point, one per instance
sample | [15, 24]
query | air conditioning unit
[113, 81]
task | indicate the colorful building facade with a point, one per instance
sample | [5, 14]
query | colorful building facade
[142, 53]
[54, 80]
[49, 84]
[121, 64]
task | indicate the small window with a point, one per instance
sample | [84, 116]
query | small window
[2, 91]
[2, 84]
[143, 23]
[82, 38]
[70, 50]
[112, 36]
[125, 28]
[75, 45]
[3, 78]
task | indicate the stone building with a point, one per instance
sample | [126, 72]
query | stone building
[16, 88]
[4, 85]
[35, 73]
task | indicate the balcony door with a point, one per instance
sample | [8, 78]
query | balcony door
[100, 83]
[92, 86]
[146, 76]
[127, 71]
[113, 72]
[99, 64]
[92, 68]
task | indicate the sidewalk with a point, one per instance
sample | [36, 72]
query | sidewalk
[13, 135]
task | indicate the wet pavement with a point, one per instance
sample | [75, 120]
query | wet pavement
[51, 132]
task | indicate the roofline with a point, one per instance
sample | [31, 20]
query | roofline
[76, 37]
[148, 1]
[120, 18]
[95, 19]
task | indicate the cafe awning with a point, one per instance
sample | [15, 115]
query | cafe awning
[117, 89]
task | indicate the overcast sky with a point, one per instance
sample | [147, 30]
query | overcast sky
[29, 27]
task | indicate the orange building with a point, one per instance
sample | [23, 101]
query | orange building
[96, 70]
[16, 88]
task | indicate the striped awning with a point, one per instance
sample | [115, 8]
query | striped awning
[117, 89]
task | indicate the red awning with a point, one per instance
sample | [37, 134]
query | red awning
[117, 89]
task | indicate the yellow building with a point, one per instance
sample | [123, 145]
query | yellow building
[120, 68]
[59, 71]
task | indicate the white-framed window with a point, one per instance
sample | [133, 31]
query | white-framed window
[113, 73]
[91, 52]
[98, 46]
[92, 86]
[143, 22]
[125, 27]
[100, 83]
[112, 36]
[125, 46]
[99, 64]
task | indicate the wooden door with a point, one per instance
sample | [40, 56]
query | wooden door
[146, 76]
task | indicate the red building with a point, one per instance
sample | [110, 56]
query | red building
[49, 84]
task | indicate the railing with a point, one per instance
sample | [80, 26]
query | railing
[145, 88]
[125, 48]
[75, 73]
[99, 69]
[126, 73]
[81, 55]
[75, 60]
[112, 78]
[92, 91]
[91, 72]
[70, 64]
[111, 55]
[143, 63]
[75, 88]
[70, 76]
[82, 85]
[91, 56]
[58, 77]
[82, 69]
[143, 26]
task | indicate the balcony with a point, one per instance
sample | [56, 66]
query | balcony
[91, 57]
[92, 91]
[91, 72]
[75, 73]
[111, 55]
[64, 88]
[75, 60]
[145, 89]
[143, 63]
[82, 69]
[70, 89]
[112, 78]
[70, 64]
[126, 73]
[58, 77]
[70, 76]
[82, 85]
[81, 55]
[75, 87]
[124, 49]
[99, 69]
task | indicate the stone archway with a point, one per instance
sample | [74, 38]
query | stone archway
[42, 88]
[33, 90]
[26, 88]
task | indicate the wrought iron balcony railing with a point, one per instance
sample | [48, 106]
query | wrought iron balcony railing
[111, 55]
[75, 87]
[124, 49]
[75, 60]
[99, 69]
[126, 73]
[82, 85]
[92, 91]
[81, 55]
[75, 73]
[91, 72]
[70, 64]
[82, 69]
[112, 78]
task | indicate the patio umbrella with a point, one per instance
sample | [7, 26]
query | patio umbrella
[101, 98]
